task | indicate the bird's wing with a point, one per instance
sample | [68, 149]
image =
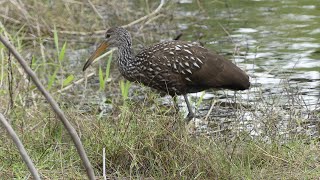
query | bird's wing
[183, 65]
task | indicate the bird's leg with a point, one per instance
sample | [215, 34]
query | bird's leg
[190, 114]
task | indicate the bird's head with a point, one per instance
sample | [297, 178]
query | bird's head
[115, 37]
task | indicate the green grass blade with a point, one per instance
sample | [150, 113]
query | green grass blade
[122, 87]
[33, 63]
[200, 99]
[62, 52]
[52, 78]
[125, 86]
[108, 67]
[101, 80]
[68, 80]
[56, 39]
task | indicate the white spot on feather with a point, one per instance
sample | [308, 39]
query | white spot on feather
[196, 65]
[186, 50]
[200, 60]
[174, 66]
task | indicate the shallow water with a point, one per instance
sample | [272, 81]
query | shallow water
[276, 42]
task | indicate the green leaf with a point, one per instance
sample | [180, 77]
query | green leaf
[52, 78]
[101, 80]
[56, 39]
[108, 67]
[68, 80]
[125, 86]
[62, 52]
[33, 63]
[200, 99]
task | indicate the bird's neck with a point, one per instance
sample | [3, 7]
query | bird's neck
[125, 53]
[125, 59]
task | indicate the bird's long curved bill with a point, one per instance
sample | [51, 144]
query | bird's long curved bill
[101, 49]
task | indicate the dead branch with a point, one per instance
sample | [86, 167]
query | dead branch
[75, 83]
[55, 107]
[155, 12]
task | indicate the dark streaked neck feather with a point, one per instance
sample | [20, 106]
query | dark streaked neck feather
[125, 59]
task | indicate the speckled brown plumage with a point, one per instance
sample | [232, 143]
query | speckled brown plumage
[173, 67]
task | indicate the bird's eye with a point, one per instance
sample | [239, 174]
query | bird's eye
[108, 35]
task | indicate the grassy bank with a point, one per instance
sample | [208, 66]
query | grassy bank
[142, 137]
[144, 143]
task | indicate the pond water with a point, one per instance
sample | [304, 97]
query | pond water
[276, 42]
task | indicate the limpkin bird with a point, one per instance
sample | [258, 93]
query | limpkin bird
[172, 67]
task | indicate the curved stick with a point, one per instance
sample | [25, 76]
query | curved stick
[55, 107]
[75, 83]
[156, 11]
[20, 147]
[146, 16]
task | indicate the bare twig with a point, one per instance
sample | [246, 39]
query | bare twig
[95, 9]
[150, 20]
[7, 18]
[20, 147]
[267, 154]
[210, 110]
[20, 6]
[55, 107]
[75, 83]
[155, 12]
